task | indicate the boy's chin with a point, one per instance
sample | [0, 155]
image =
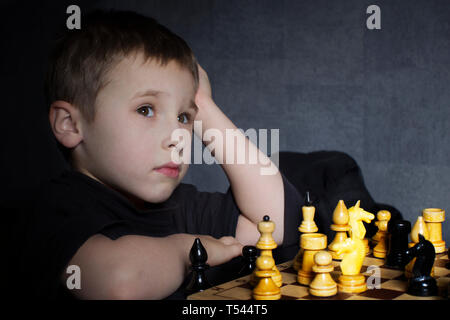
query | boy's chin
[158, 196]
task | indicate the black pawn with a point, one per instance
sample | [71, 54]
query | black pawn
[422, 283]
[398, 244]
[250, 254]
[198, 257]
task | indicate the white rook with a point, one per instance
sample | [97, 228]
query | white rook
[433, 218]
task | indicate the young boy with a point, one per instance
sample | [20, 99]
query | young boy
[118, 89]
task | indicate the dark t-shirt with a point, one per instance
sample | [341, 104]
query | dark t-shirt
[73, 207]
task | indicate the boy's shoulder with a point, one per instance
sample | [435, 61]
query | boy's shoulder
[63, 190]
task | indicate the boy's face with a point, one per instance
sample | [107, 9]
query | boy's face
[130, 139]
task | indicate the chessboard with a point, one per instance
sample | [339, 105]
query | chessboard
[392, 284]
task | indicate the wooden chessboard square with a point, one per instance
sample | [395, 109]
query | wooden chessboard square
[245, 285]
[441, 263]
[406, 296]
[383, 293]
[338, 296]
[237, 293]
[202, 295]
[401, 277]
[390, 273]
[441, 272]
[288, 278]
[228, 285]
[395, 285]
[361, 298]
[443, 282]
[371, 261]
[296, 291]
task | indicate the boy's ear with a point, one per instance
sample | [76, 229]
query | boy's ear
[65, 121]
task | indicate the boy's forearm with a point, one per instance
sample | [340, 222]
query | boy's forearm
[161, 264]
[136, 267]
[256, 194]
[140, 267]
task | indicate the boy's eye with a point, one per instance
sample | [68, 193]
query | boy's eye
[184, 118]
[146, 110]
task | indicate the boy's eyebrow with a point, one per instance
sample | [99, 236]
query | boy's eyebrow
[146, 93]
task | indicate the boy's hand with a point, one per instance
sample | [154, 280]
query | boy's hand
[219, 250]
[203, 97]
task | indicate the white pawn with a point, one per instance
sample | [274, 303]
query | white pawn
[266, 288]
[323, 284]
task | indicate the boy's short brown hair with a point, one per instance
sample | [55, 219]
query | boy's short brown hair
[82, 58]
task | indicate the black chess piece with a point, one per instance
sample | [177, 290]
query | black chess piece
[398, 244]
[422, 283]
[249, 254]
[198, 257]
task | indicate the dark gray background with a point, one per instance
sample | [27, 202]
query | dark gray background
[308, 68]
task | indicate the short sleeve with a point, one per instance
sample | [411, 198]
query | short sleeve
[292, 213]
[54, 235]
[212, 213]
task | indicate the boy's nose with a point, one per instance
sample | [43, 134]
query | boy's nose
[169, 142]
[175, 137]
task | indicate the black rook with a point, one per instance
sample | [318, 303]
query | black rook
[398, 244]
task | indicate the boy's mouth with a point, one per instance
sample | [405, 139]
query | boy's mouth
[170, 169]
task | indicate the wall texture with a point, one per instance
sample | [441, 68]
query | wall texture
[309, 68]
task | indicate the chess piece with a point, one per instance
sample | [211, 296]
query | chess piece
[308, 225]
[340, 225]
[433, 218]
[354, 249]
[305, 227]
[198, 257]
[323, 284]
[380, 250]
[249, 255]
[351, 280]
[383, 217]
[311, 244]
[266, 289]
[356, 217]
[422, 283]
[366, 246]
[266, 244]
[398, 244]
[418, 228]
